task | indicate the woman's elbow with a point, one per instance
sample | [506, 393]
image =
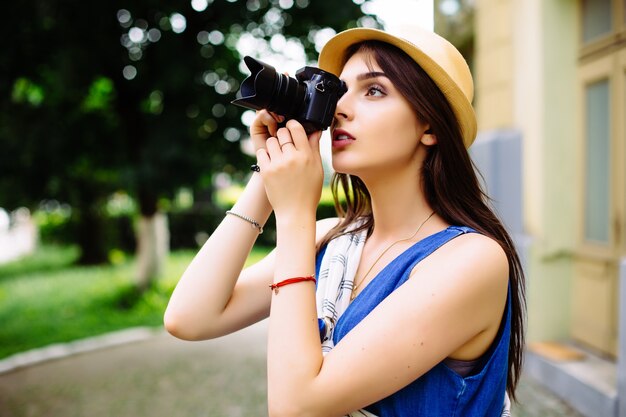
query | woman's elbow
[277, 410]
[179, 326]
[172, 324]
[279, 407]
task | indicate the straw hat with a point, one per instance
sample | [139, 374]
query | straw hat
[438, 57]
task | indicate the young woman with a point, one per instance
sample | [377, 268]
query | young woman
[411, 302]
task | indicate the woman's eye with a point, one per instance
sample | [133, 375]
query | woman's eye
[375, 91]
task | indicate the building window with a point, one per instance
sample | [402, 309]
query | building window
[597, 160]
[596, 16]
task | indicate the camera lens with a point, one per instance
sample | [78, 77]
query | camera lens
[265, 89]
[311, 98]
[288, 96]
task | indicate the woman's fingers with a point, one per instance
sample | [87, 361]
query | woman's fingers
[273, 146]
[290, 165]
[298, 135]
[279, 118]
[264, 120]
[285, 139]
[265, 124]
[262, 159]
[292, 138]
[276, 119]
[314, 140]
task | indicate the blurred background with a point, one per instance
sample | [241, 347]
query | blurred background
[120, 152]
[120, 148]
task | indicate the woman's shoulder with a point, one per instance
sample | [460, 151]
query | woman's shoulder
[475, 244]
[476, 253]
[474, 241]
[470, 256]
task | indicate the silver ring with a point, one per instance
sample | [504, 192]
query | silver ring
[286, 143]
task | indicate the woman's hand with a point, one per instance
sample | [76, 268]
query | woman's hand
[291, 167]
[264, 126]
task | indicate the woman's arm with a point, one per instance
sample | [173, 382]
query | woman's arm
[214, 296]
[206, 303]
[192, 314]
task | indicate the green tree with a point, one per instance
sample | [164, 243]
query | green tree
[131, 95]
[454, 20]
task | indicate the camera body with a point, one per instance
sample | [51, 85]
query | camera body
[311, 98]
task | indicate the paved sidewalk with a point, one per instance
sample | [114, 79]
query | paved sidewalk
[164, 377]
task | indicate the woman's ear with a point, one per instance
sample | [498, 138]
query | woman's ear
[428, 138]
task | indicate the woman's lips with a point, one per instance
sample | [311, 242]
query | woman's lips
[341, 138]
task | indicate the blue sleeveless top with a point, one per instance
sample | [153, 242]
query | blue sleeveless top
[440, 392]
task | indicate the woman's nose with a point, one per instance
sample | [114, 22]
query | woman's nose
[342, 110]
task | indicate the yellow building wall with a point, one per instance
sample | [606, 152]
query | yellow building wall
[494, 69]
[526, 80]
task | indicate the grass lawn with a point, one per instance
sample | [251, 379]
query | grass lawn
[44, 299]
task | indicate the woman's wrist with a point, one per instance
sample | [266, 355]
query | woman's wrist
[295, 234]
[253, 202]
[295, 220]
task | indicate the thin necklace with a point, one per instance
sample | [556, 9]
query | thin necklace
[355, 287]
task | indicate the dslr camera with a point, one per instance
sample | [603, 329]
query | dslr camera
[311, 98]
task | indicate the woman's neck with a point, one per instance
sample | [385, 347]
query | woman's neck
[398, 204]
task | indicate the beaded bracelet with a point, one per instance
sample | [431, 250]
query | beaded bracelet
[254, 223]
[288, 281]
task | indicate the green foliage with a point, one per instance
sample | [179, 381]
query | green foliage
[454, 20]
[46, 259]
[57, 226]
[109, 96]
[100, 95]
[45, 301]
[227, 197]
[53, 220]
[25, 91]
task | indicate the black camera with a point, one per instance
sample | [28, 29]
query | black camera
[311, 98]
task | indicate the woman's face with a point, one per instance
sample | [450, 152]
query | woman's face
[375, 129]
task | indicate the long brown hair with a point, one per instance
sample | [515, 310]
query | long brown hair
[449, 181]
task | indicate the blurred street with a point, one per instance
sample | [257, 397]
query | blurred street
[164, 377]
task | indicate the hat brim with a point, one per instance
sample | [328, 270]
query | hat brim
[332, 58]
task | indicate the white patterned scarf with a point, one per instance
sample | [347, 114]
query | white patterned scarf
[334, 289]
[334, 286]
[335, 280]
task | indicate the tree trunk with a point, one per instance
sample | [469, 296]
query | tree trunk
[90, 234]
[152, 248]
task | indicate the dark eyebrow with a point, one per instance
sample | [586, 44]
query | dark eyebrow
[368, 75]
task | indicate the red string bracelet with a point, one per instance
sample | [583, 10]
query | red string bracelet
[288, 281]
